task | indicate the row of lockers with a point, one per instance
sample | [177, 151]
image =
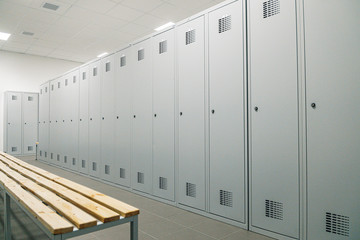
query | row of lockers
[211, 115]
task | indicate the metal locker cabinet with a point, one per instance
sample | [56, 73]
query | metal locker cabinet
[163, 46]
[141, 166]
[84, 120]
[13, 123]
[107, 118]
[191, 77]
[44, 118]
[273, 117]
[30, 103]
[226, 80]
[94, 119]
[332, 57]
[54, 125]
[74, 123]
[64, 103]
[123, 113]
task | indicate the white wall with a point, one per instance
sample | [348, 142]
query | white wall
[22, 72]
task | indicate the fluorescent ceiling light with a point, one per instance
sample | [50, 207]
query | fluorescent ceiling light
[169, 24]
[103, 54]
[4, 36]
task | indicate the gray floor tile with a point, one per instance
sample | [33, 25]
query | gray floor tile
[187, 234]
[215, 228]
[245, 235]
[187, 219]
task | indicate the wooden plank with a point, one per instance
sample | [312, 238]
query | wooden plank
[49, 218]
[98, 211]
[75, 215]
[120, 207]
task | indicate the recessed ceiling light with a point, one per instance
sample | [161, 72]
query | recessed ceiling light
[28, 33]
[4, 36]
[169, 24]
[51, 6]
[102, 55]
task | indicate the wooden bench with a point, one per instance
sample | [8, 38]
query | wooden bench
[60, 207]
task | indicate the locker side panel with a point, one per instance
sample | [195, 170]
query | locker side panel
[227, 147]
[73, 120]
[30, 103]
[274, 117]
[163, 46]
[332, 97]
[191, 76]
[84, 120]
[13, 121]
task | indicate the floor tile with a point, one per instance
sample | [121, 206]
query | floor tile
[215, 228]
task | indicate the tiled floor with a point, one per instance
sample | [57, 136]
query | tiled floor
[156, 220]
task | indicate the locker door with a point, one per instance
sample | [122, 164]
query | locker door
[44, 118]
[123, 111]
[141, 172]
[74, 123]
[163, 46]
[191, 68]
[94, 119]
[54, 124]
[107, 118]
[84, 120]
[64, 103]
[274, 117]
[14, 126]
[30, 103]
[332, 57]
[227, 149]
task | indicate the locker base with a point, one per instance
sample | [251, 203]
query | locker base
[269, 234]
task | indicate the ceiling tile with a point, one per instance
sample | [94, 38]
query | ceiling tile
[150, 21]
[123, 12]
[63, 6]
[102, 6]
[141, 5]
[136, 29]
[36, 50]
[169, 12]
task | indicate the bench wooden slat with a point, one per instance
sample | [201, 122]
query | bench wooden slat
[74, 214]
[99, 211]
[49, 218]
[122, 208]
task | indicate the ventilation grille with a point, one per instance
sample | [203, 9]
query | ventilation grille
[141, 54]
[190, 190]
[58, 157]
[74, 161]
[225, 24]
[13, 97]
[94, 71]
[107, 67]
[84, 75]
[274, 209]
[46, 154]
[51, 6]
[271, 8]
[140, 177]
[40, 153]
[162, 47]
[190, 36]
[337, 224]
[52, 87]
[28, 33]
[66, 82]
[123, 61]
[30, 148]
[122, 173]
[59, 84]
[65, 159]
[74, 79]
[94, 167]
[40, 91]
[46, 89]
[30, 98]
[83, 163]
[226, 198]
[107, 169]
[163, 183]
[13, 149]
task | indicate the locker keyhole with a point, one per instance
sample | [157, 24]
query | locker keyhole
[80, 119]
[134, 116]
[117, 117]
[103, 118]
[313, 105]
[25, 123]
[256, 109]
[213, 111]
[180, 113]
[90, 119]
[155, 115]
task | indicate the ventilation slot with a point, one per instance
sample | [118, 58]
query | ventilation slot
[13, 97]
[226, 198]
[274, 209]
[271, 8]
[94, 71]
[40, 153]
[46, 89]
[190, 190]
[46, 154]
[162, 47]
[66, 82]
[225, 24]
[122, 172]
[141, 54]
[190, 37]
[163, 183]
[50, 6]
[83, 163]
[107, 169]
[337, 224]
[58, 157]
[30, 99]
[13, 149]
[84, 75]
[123, 61]
[30, 148]
[74, 161]
[74, 79]
[40, 91]
[65, 159]
[107, 67]
[52, 87]
[94, 166]
[140, 177]
[51, 155]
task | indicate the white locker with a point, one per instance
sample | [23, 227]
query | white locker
[84, 120]
[274, 117]
[64, 110]
[141, 166]
[191, 77]
[44, 118]
[163, 47]
[13, 124]
[123, 112]
[227, 135]
[108, 118]
[94, 119]
[332, 57]
[30, 108]
[53, 148]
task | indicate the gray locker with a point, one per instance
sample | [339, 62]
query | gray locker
[94, 119]
[163, 46]
[53, 126]
[13, 129]
[226, 81]
[274, 117]
[30, 108]
[123, 113]
[56, 131]
[64, 110]
[191, 77]
[108, 118]
[84, 120]
[141, 166]
[44, 118]
[332, 56]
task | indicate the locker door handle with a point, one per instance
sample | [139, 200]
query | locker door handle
[180, 113]
[213, 111]
[313, 105]
[256, 109]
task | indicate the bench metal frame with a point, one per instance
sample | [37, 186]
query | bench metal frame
[76, 232]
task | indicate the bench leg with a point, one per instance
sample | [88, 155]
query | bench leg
[7, 220]
[134, 228]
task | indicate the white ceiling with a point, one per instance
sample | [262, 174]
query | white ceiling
[81, 29]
